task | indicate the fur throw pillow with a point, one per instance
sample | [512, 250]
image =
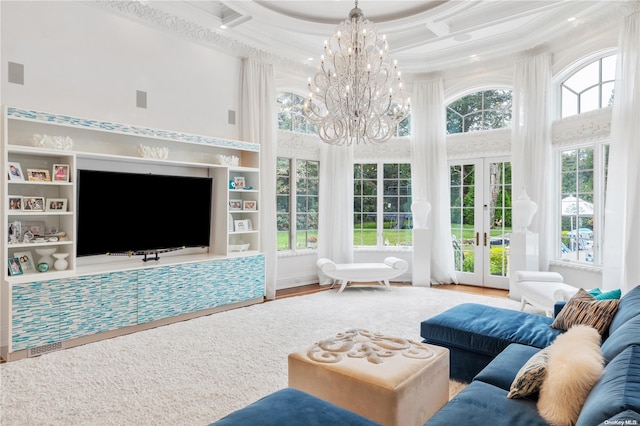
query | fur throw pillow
[574, 367]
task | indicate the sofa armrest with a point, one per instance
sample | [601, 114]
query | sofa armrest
[325, 264]
[396, 263]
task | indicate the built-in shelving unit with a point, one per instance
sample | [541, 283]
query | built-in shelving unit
[53, 308]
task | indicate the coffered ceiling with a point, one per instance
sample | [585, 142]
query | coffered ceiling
[423, 36]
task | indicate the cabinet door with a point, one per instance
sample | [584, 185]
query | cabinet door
[154, 294]
[119, 296]
[35, 320]
[79, 308]
[185, 288]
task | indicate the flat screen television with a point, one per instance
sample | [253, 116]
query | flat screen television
[138, 213]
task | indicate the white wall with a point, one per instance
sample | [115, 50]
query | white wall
[83, 61]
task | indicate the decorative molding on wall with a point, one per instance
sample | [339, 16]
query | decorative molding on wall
[582, 128]
[395, 150]
[300, 145]
[154, 16]
[473, 144]
[584, 267]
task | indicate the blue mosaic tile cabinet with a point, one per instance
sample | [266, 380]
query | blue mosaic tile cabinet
[56, 310]
[59, 309]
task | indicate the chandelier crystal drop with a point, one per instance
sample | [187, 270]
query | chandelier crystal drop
[356, 95]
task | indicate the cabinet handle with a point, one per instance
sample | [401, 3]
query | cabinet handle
[485, 239]
[477, 238]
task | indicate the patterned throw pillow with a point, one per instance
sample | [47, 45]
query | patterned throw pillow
[583, 308]
[530, 376]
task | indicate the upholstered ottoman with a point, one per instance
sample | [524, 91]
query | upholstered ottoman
[390, 380]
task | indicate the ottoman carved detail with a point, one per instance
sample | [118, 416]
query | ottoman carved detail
[358, 343]
[391, 380]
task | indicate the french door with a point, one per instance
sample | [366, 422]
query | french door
[481, 220]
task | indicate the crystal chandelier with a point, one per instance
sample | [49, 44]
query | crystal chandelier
[356, 95]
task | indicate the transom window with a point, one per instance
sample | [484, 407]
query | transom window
[486, 110]
[589, 88]
[297, 202]
[382, 205]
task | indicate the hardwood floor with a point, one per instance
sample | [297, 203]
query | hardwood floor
[464, 288]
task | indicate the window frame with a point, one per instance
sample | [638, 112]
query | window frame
[380, 212]
[293, 205]
[600, 170]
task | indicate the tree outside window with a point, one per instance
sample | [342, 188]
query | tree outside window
[486, 110]
[382, 205]
[301, 210]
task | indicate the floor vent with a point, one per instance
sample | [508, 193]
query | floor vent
[45, 349]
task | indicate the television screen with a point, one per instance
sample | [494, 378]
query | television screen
[132, 212]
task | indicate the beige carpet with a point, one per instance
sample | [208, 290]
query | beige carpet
[197, 371]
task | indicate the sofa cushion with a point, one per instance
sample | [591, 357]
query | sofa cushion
[629, 308]
[617, 390]
[291, 407]
[582, 308]
[480, 404]
[626, 335]
[503, 369]
[575, 365]
[487, 330]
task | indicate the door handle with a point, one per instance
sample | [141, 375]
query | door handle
[477, 238]
[485, 239]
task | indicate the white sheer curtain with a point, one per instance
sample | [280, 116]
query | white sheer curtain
[430, 173]
[622, 212]
[259, 122]
[531, 156]
[335, 221]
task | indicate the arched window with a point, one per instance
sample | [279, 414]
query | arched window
[486, 110]
[589, 88]
[290, 115]
[584, 167]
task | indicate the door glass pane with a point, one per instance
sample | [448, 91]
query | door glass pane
[365, 204]
[499, 217]
[462, 216]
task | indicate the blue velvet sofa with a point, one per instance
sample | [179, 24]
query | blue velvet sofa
[488, 347]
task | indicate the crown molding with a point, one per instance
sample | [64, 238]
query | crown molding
[155, 17]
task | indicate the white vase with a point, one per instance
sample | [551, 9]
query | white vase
[61, 262]
[523, 210]
[45, 254]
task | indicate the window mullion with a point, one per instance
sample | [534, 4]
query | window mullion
[380, 204]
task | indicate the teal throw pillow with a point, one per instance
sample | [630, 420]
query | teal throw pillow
[606, 295]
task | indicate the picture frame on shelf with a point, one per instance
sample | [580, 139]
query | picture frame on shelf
[60, 173]
[33, 204]
[36, 228]
[15, 202]
[235, 204]
[38, 175]
[56, 204]
[14, 171]
[239, 181]
[14, 266]
[249, 205]
[243, 225]
[26, 261]
[14, 232]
